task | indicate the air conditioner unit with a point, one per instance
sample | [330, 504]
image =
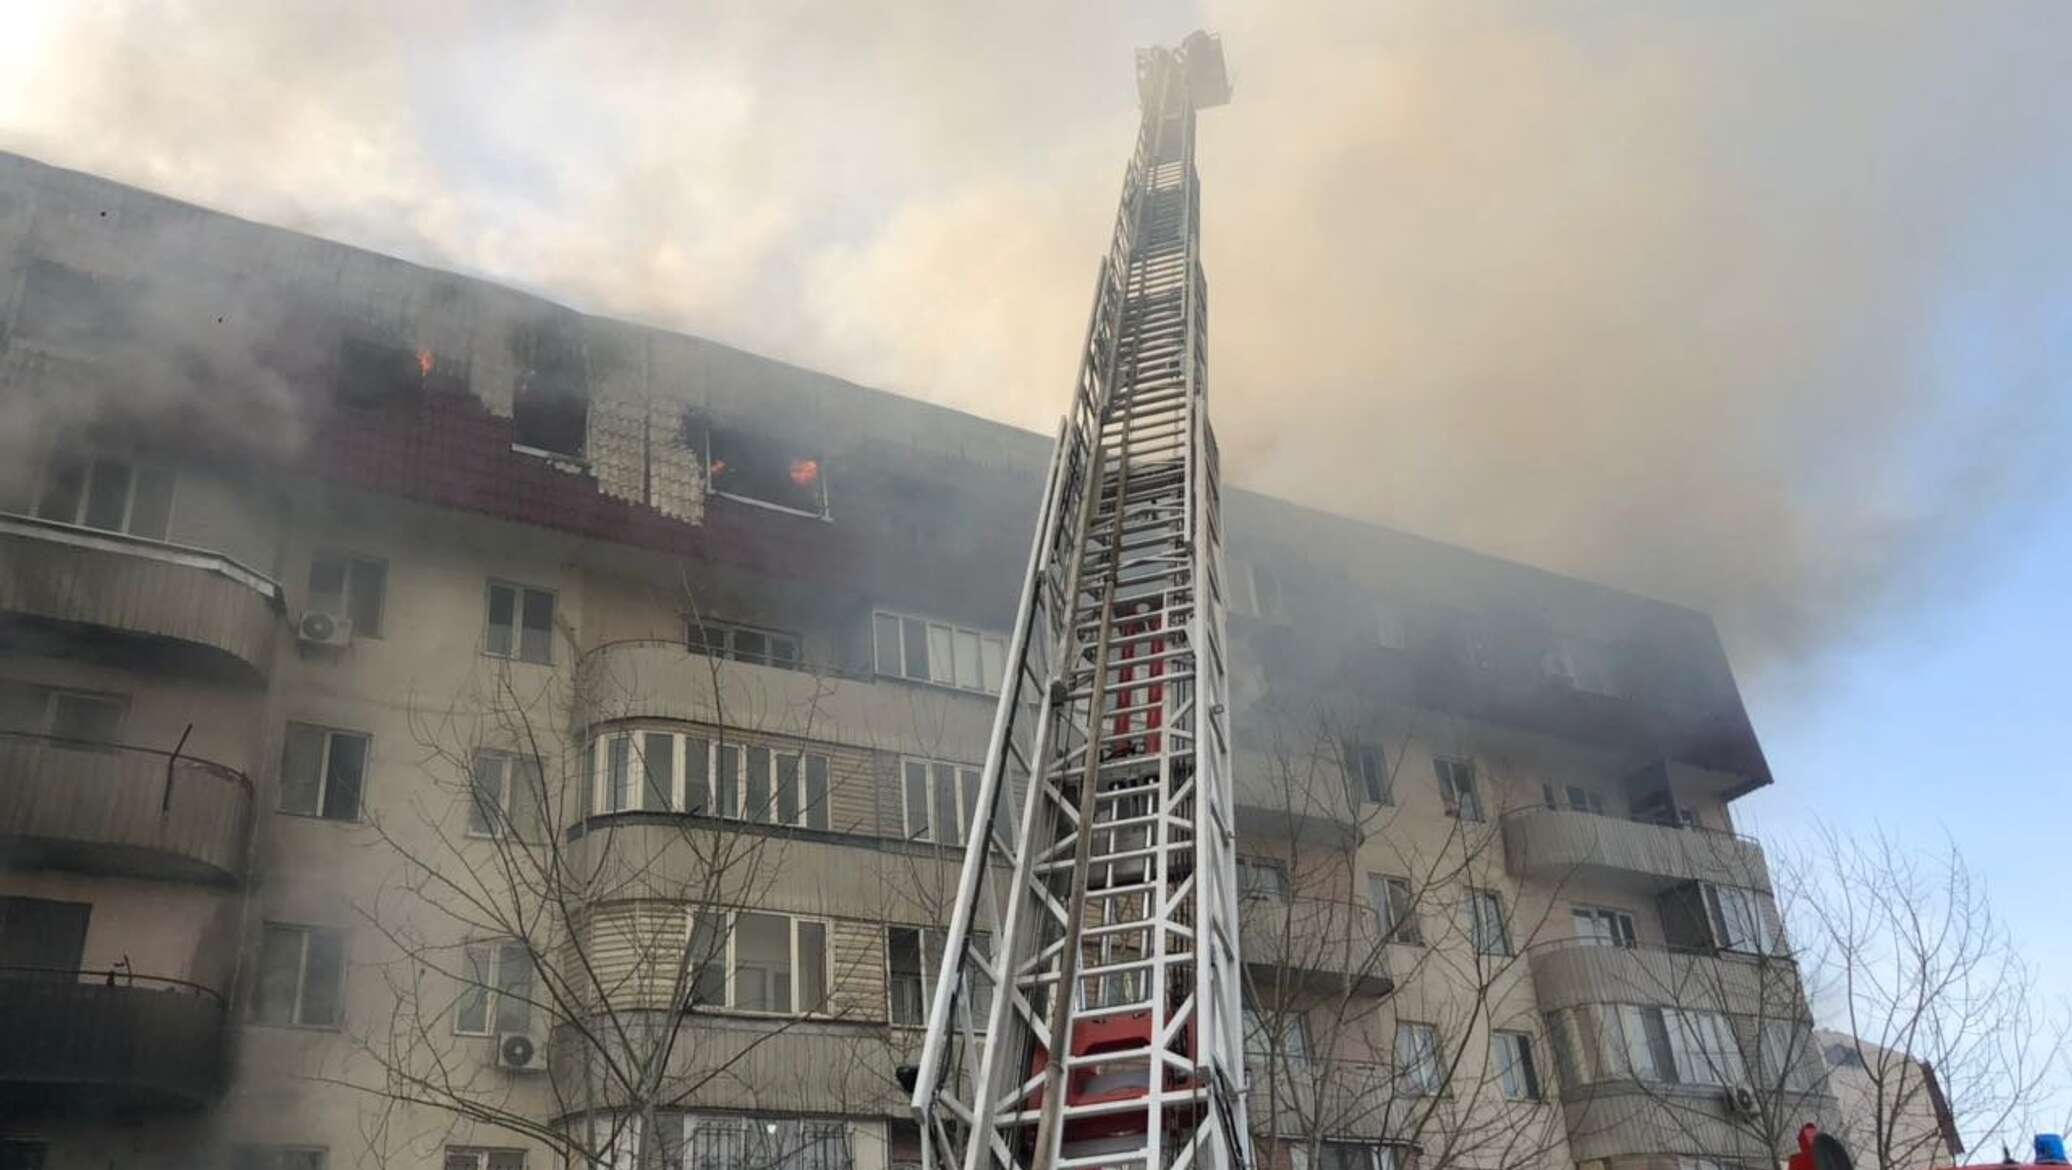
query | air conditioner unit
[519, 1052]
[316, 628]
[1740, 1101]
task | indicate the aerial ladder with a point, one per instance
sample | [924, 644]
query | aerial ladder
[1086, 1013]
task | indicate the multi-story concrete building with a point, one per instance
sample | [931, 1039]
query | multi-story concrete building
[442, 728]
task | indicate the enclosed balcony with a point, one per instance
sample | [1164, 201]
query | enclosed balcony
[1564, 844]
[77, 592]
[108, 1039]
[1313, 945]
[106, 808]
[1568, 973]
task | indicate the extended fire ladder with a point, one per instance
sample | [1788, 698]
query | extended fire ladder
[1086, 1013]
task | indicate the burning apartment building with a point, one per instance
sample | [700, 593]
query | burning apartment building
[445, 729]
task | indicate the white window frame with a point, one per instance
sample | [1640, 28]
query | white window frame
[964, 777]
[1609, 926]
[1417, 1065]
[137, 470]
[1564, 798]
[725, 635]
[812, 814]
[931, 940]
[1484, 918]
[1249, 883]
[1294, 1039]
[1784, 1067]
[1518, 1071]
[499, 952]
[730, 955]
[519, 592]
[479, 1157]
[259, 1156]
[305, 933]
[1763, 935]
[323, 787]
[48, 699]
[1707, 1052]
[991, 649]
[505, 822]
[343, 607]
[1373, 784]
[1449, 770]
[1407, 930]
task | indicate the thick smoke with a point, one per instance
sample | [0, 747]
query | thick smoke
[1764, 309]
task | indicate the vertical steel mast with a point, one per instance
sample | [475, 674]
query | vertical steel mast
[1086, 1013]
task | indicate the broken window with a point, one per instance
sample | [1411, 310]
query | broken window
[760, 469]
[550, 407]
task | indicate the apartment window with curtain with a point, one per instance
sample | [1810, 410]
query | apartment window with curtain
[939, 653]
[349, 587]
[496, 990]
[1417, 1059]
[323, 772]
[1483, 922]
[1511, 1054]
[1457, 787]
[301, 977]
[1395, 909]
[521, 623]
[114, 495]
[750, 961]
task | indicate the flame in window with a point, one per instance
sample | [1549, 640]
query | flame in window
[424, 363]
[805, 472]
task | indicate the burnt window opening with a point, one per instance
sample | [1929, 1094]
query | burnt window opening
[374, 372]
[550, 407]
[761, 469]
[63, 306]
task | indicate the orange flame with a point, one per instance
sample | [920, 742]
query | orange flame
[805, 471]
[424, 363]
[719, 466]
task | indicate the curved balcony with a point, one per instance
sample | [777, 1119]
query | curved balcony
[82, 592]
[1558, 844]
[108, 1038]
[1566, 973]
[655, 679]
[106, 808]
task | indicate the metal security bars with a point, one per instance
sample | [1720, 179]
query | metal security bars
[1099, 851]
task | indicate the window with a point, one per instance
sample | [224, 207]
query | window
[1584, 665]
[1511, 1054]
[1573, 798]
[1742, 921]
[301, 976]
[1641, 1040]
[1366, 769]
[935, 652]
[480, 1158]
[349, 587]
[652, 770]
[1394, 908]
[1255, 590]
[742, 643]
[1781, 1047]
[114, 495]
[913, 956]
[1417, 1059]
[1284, 1035]
[1262, 877]
[1355, 1156]
[1457, 787]
[773, 963]
[521, 623]
[322, 772]
[280, 1158]
[1483, 921]
[938, 799]
[507, 798]
[84, 716]
[759, 469]
[1603, 927]
[1706, 1051]
[45, 936]
[497, 993]
[706, 1142]
[550, 405]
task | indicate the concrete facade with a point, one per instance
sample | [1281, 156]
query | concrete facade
[638, 561]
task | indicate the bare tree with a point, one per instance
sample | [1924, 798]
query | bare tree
[1904, 952]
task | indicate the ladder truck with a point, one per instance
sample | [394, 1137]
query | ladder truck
[1086, 1013]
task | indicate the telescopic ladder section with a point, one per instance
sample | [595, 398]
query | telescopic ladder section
[1087, 1010]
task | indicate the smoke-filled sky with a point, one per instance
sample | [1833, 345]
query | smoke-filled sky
[1763, 308]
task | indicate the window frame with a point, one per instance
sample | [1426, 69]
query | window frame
[137, 470]
[729, 633]
[1373, 786]
[989, 683]
[263, 1156]
[348, 561]
[519, 595]
[1766, 934]
[47, 698]
[815, 815]
[479, 1156]
[1449, 770]
[1426, 1056]
[1622, 934]
[492, 991]
[729, 954]
[931, 941]
[322, 791]
[506, 825]
[1276, 890]
[1483, 906]
[1407, 930]
[932, 769]
[1516, 1049]
[1292, 1023]
[306, 933]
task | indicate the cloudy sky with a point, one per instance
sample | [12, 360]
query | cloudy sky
[1759, 307]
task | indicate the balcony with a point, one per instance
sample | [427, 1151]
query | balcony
[105, 808]
[1339, 1098]
[1562, 844]
[82, 592]
[652, 679]
[108, 1039]
[1566, 973]
[1313, 945]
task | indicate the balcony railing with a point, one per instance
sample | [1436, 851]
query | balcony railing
[1297, 938]
[1300, 1097]
[184, 607]
[110, 808]
[1568, 972]
[109, 1038]
[1555, 843]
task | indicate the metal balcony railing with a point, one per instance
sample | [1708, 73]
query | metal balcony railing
[114, 808]
[109, 1037]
